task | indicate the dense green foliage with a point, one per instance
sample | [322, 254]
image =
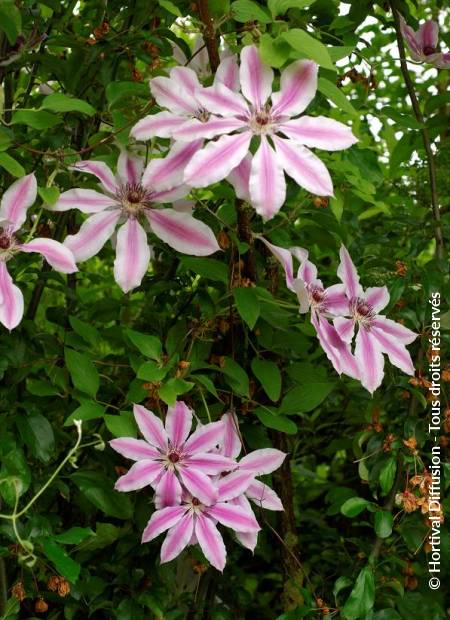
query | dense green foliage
[220, 332]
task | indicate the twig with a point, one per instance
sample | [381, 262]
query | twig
[425, 134]
[209, 35]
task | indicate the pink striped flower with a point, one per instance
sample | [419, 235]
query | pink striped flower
[13, 212]
[168, 459]
[283, 139]
[178, 94]
[129, 200]
[252, 465]
[376, 334]
[194, 522]
[323, 303]
[423, 44]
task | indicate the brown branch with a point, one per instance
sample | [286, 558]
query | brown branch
[425, 134]
[209, 35]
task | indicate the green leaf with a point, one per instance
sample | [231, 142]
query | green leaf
[82, 371]
[151, 371]
[206, 382]
[98, 489]
[208, 268]
[86, 411]
[38, 434]
[247, 304]
[63, 563]
[170, 7]
[41, 388]
[116, 91]
[354, 506]
[11, 165]
[149, 346]
[37, 119]
[121, 425]
[276, 421]
[74, 536]
[306, 397]
[340, 51]
[86, 331]
[279, 7]
[10, 20]
[248, 11]
[309, 47]
[274, 52]
[335, 94]
[387, 475]
[362, 597]
[383, 524]
[49, 195]
[237, 377]
[269, 375]
[174, 388]
[405, 120]
[58, 102]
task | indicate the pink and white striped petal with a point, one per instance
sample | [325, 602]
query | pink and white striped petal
[319, 132]
[298, 86]
[234, 484]
[199, 485]
[221, 100]
[263, 496]
[396, 352]
[170, 195]
[234, 517]
[308, 272]
[135, 449]
[182, 232]
[239, 178]
[284, 256]
[93, 234]
[231, 442]
[210, 541]
[346, 362]
[151, 427]
[370, 360]
[247, 539]
[177, 538]
[132, 255]
[345, 328]
[129, 168]
[428, 34]
[304, 167]
[55, 253]
[100, 170]
[178, 423]
[411, 39]
[161, 124]
[395, 330]
[11, 300]
[193, 129]
[17, 199]
[337, 302]
[210, 463]
[377, 297]
[172, 96]
[347, 273]
[267, 185]
[256, 78]
[216, 160]
[140, 475]
[85, 200]
[168, 490]
[187, 78]
[167, 173]
[205, 438]
[228, 73]
[329, 340]
[162, 520]
[263, 461]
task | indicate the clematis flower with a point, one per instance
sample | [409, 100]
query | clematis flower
[423, 44]
[178, 93]
[323, 303]
[13, 212]
[194, 522]
[256, 463]
[227, 72]
[168, 458]
[376, 334]
[283, 138]
[129, 200]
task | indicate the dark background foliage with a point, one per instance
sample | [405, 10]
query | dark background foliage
[197, 329]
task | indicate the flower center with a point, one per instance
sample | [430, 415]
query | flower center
[261, 121]
[7, 244]
[317, 296]
[362, 311]
[428, 50]
[133, 198]
[202, 115]
[195, 501]
[174, 457]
